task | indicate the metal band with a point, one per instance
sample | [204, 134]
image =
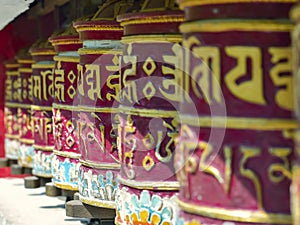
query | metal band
[162, 19]
[243, 123]
[98, 28]
[17, 105]
[41, 108]
[11, 65]
[12, 73]
[25, 61]
[41, 175]
[102, 204]
[43, 148]
[65, 186]
[65, 107]
[86, 51]
[70, 155]
[65, 42]
[151, 38]
[241, 25]
[26, 141]
[43, 66]
[236, 215]
[49, 52]
[148, 112]
[190, 3]
[12, 136]
[100, 165]
[25, 70]
[66, 59]
[96, 109]
[150, 185]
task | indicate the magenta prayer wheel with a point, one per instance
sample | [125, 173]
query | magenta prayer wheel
[26, 151]
[236, 148]
[150, 96]
[65, 162]
[11, 110]
[42, 99]
[98, 88]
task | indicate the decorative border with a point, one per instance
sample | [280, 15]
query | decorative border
[65, 154]
[26, 155]
[190, 3]
[157, 19]
[65, 173]
[250, 216]
[83, 51]
[108, 166]
[246, 25]
[66, 58]
[151, 38]
[96, 189]
[41, 165]
[145, 208]
[150, 185]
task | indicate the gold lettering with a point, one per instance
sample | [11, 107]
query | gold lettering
[250, 90]
[80, 84]
[278, 171]
[172, 88]
[250, 152]
[93, 80]
[59, 84]
[113, 81]
[282, 60]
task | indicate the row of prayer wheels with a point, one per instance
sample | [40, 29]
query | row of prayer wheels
[170, 114]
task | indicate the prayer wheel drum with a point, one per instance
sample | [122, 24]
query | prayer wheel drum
[65, 162]
[98, 87]
[11, 110]
[26, 150]
[42, 99]
[234, 154]
[150, 76]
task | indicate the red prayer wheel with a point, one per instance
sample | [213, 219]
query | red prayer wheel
[98, 88]
[235, 147]
[42, 99]
[65, 162]
[11, 110]
[150, 80]
[26, 151]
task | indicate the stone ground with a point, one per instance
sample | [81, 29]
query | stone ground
[20, 206]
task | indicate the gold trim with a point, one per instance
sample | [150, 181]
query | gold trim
[161, 19]
[246, 25]
[12, 136]
[151, 38]
[150, 185]
[25, 61]
[26, 141]
[41, 175]
[244, 123]
[98, 28]
[25, 70]
[65, 42]
[41, 108]
[43, 148]
[102, 204]
[148, 112]
[11, 65]
[67, 58]
[65, 186]
[65, 107]
[17, 105]
[100, 165]
[90, 51]
[12, 73]
[235, 214]
[97, 109]
[190, 3]
[43, 66]
[70, 155]
[49, 52]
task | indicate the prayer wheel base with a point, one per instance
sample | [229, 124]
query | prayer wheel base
[51, 190]
[31, 182]
[76, 208]
[16, 169]
[3, 162]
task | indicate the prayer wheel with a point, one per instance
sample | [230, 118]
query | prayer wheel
[150, 95]
[98, 88]
[11, 110]
[26, 151]
[65, 162]
[235, 148]
[42, 98]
